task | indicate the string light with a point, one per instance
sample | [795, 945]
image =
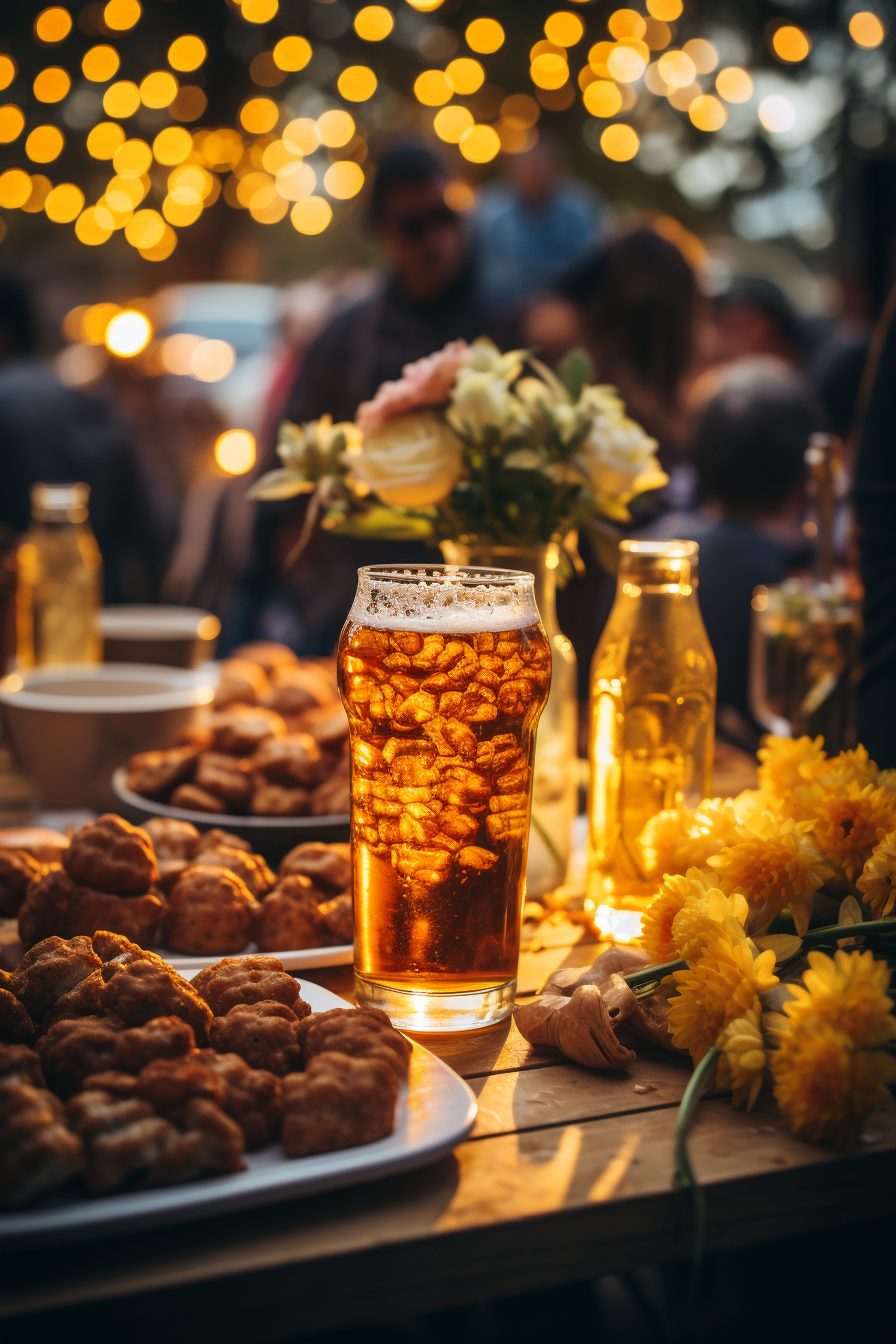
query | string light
[373, 23]
[295, 181]
[158, 89]
[620, 142]
[99, 64]
[627, 23]
[549, 71]
[41, 187]
[480, 144]
[121, 15]
[520, 110]
[564, 29]
[132, 159]
[311, 216]
[12, 123]
[465, 75]
[335, 128]
[187, 53]
[88, 230]
[292, 53]
[734, 84]
[161, 250]
[300, 136]
[259, 11]
[104, 139]
[64, 203]
[15, 188]
[703, 54]
[777, 113]
[210, 361]
[52, 25]
[707, 113]
[121, 99]
[44, 144]
[343, 180]
[484, 36]
[129, 332]
[235, 449]
[8, 71]
[172, 145]
[145, 228]
[677, 69]
[791, 44]
[51, 85]
[865, 29]
[667, 10]
[432, 88]
[602, 98]
[450, 123]
[626, 64]
[259, 115]
[357, 83]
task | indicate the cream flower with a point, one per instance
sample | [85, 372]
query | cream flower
[616, 451]
[481, 399]
[426, 382]
[413, 461]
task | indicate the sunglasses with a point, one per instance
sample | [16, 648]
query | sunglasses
[415, 227]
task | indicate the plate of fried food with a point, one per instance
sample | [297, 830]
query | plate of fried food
[130, 1096]
[191, 896]
[269, 762]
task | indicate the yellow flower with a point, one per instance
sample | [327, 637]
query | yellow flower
[850, 767]
[705, 910]
[773, 863]
[679, 839]
[848, 991]
[660, 839]
[886, 779]
[656, 926]
[743, 1060]
[787, 762]
[879, 876]
[824, 1086]
[846, 824]
[722, 984]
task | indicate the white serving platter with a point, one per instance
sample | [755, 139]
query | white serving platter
[300, 959]
[436, 1110]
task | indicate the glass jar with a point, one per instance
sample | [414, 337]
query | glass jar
[59, 579]
[652, 714]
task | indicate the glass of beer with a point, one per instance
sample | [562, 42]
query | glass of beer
[443, 671]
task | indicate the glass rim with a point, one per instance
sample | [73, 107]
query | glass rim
[465, 575]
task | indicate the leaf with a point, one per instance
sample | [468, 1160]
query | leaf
[280, 484]
[784, 945]
[575, 370]
[386, 523]
[850, 912]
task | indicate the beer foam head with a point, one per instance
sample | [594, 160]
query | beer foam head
[449, 599]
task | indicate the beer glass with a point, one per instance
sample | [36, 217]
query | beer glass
[443, 671]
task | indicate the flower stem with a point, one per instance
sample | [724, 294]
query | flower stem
[653, 974]
[684, 1172]
[831, 932]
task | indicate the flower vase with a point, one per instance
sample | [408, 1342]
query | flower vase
[555, 783]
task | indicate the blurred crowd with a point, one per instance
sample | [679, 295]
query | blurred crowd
[718, 365]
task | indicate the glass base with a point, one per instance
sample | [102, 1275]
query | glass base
[425, 1011]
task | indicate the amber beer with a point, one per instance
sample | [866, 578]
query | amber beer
[443, 672]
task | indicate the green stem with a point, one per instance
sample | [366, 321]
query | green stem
[831, 932]
[653, 974]
[684, 1172]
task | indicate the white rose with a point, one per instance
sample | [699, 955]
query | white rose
[414, 460]
[614, 455]
[480, 399]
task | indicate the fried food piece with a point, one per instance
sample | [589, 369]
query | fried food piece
[44, 910]
[111, 855]
[362, 1033]
[328, 866]
[168, 1084]
[16, 1027]
[250, 868]
[44, 845]
[85, 1000]
[338, 1102]
[121, 1085]
[137, 917]
[332, 798]
[72, 1050]
[169, 872]
[38, 1152]
[172, 839]
[18, 869]
[141, 990]
[338, 918]
[153, 774]
[115, 947]
[218, 839]
[22, 1064]
[242, 682]
[210, 911]
[290, 918]
[224, 776]
[293, 761]
[159, 1038]
[273, 800]
[267, 654]
[263, 1034]
[246, 980]
[251, 1096]
[51, 969]
[196, 800]
[241, 728]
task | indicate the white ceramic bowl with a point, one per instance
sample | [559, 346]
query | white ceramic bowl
[70, 726]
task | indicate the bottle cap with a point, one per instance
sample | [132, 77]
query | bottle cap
[60, 503]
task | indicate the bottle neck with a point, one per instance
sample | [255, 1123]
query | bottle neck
[657, 576]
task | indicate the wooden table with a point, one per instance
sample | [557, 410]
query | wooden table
[568, 1174]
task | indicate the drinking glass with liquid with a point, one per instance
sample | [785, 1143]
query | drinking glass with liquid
[59, 581]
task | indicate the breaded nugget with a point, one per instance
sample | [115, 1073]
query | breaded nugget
[293, 760]
[44, 910]
[267, 654]
[194, 799]
[332, 798]
[172, 839]
[218, 839]
[85, 1000]
[21, 1063]
[141, 990]
[126, 1142]
[51, 969]
[18, 869]
[75, 1048]
[170, 1083]
[328, 725]
[169, 871]
[38, 1152]
[153, 774]
[338, 918]
[275, 800]
[240, 728]
[42, 844]
[210, 911]
[338, 1102]
[16, 1027]
[362, 1033]
[242, 682]
[263, 1034]
[226, 777]
[136, 917]
[251, 1097]
[113, 946]
[245, 980]
[290, 918]
[250, 868]
[329, 867]
[120, 1085]
[159, 1038]
[111, 855]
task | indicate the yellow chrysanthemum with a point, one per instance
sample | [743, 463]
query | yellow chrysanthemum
[850, 767]
[847, 991]
[886, 779]
[705, 910]
[878, 881]
[743, 1060]
[773, 863]
[824, 1086]
[846, 824]
[656, 926]
[660, 839]
[723, 984]
[787, 762]
[679, 839]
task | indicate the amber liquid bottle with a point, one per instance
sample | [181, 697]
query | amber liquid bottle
[652, 714]
[59, 581]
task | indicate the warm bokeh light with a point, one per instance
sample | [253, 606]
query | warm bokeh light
[145, 228]
[123, 194]
[52, 25]
[667, 10]
[15, 188]
[450, 123]
[95, 320]
[104, 139]
[187, 53]
[259, 115]
[373, 23]
[121, 99]
[866, 29]
[602, 98]
[71, 323]
[432, 88]
[121, 15]
[268, 206]
[40, 189]
[158, 89]
[161, 250]
[734, 84]
[172, 145]
[44, 144]
[132, 159]
[190, 183]
[620, 142]
[357, 83]
[8, 71]
[777, 113]
[549, 71]
[181, 215]
[335, 128]
[681, 99]
[189, 104]
[292, 53]
[626, 23]
[343, 180]
[520, 110]
[300, 136]
[52, 84]
[791, 44]
[211, 361]
[564, 29]
[677, 69]
[480, 144]
[100, 63]
[459, 195]
[235, 449]
[657, 34]
[425, 6]
[276, 156]
[484, 36]
[64, 203]
[465, 75]
[703, 54]
[597, 58]
[312, 215]
[707, 113]
[12, 123]
[295, 181]
[129, 332]
[626, 64]
[89, 230]
[176, 352]
[259, 11]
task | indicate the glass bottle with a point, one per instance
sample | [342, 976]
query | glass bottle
[59, 581]
[652, 714]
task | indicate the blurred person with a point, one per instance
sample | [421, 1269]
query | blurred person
[533, 224]
[754, 317]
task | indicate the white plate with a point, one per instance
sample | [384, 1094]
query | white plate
[300, 959]
[435, 1112]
